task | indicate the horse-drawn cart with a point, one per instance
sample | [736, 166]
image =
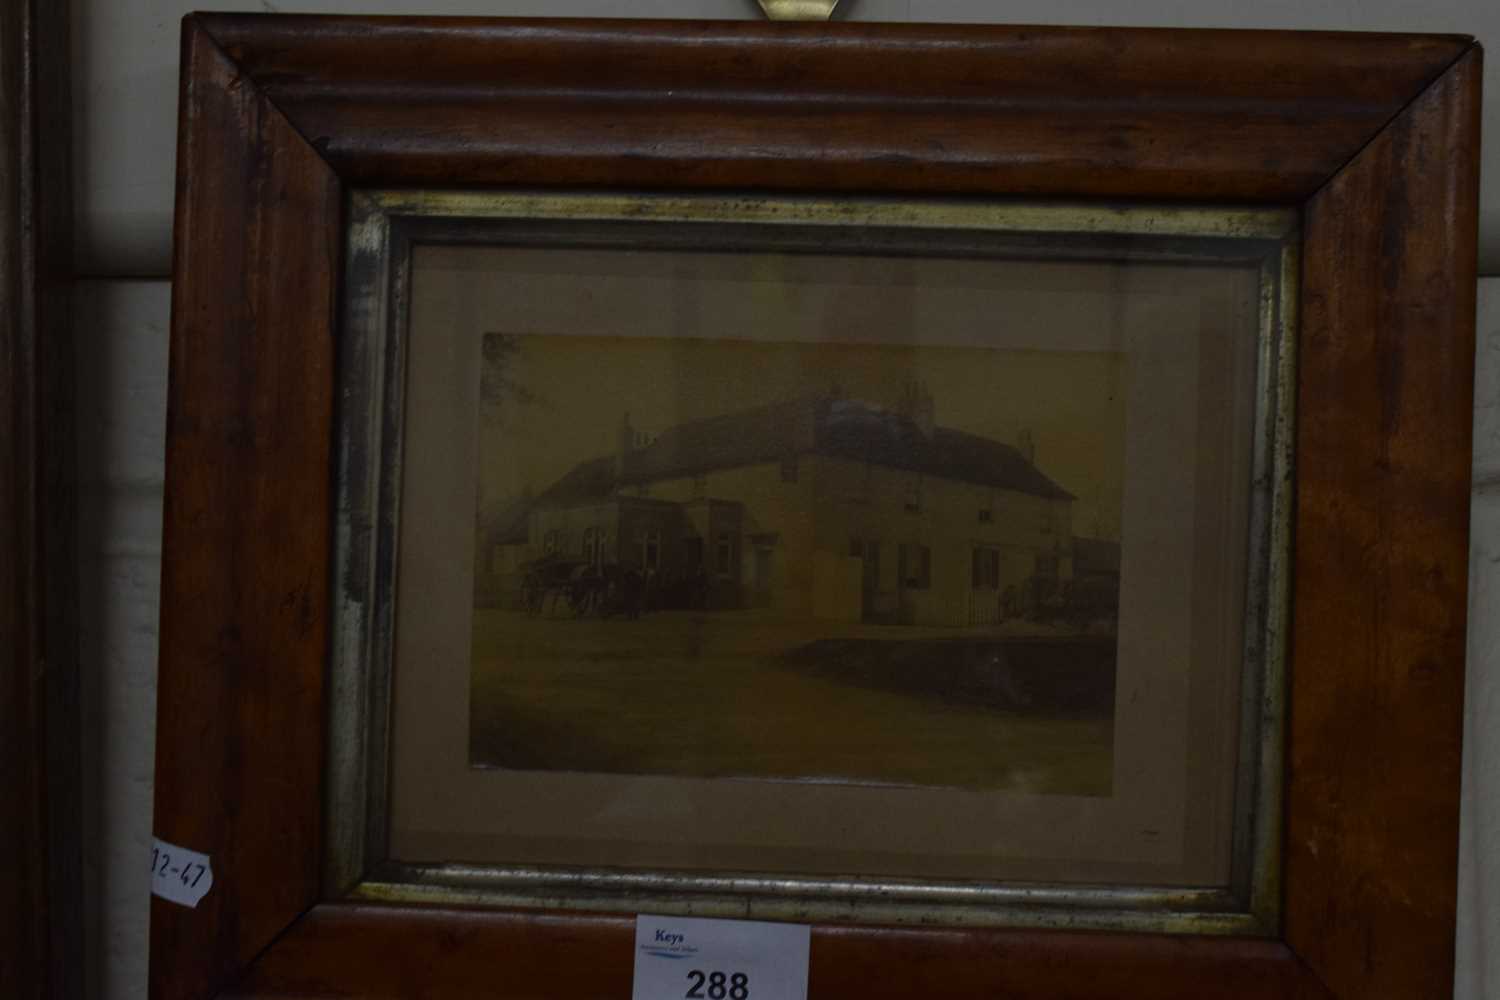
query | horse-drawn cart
[547, 582]
[585, 589]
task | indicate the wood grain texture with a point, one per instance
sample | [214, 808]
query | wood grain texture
[41, 896]
[246, 536]
[1171, 115]
[382, 952]
[23, 830]
[282, 115]
[1385, 398]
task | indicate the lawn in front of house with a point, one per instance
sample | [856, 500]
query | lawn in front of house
[731, 694]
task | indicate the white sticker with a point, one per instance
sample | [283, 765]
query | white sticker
[178, 874]
[685, 958]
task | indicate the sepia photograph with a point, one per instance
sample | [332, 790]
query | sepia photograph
[841, 562]
[702, 550]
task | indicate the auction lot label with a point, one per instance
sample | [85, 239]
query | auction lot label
[689, 958]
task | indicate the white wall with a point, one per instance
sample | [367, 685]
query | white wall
[1479, 833]
[125, 96]
[122, 379]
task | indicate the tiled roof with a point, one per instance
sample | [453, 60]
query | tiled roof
[746, 437]
[838, 427]
[859, 431]
[507, 524]
[590, 480]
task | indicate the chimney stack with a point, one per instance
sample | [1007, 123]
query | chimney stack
[918, 407]
[1026, 445]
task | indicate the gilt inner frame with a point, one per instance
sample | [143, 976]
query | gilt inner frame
[383, 227]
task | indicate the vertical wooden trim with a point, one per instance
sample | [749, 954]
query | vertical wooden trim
[240, 721]
[40, 875]
[1381, 553]
[22, 831]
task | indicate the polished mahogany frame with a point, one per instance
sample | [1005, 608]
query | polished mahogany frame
[1374, 137]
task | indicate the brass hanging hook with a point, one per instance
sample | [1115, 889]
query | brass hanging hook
[798, 10]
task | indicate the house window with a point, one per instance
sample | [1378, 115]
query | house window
[724, 554]
[1047, 518]
[986, 515]
[650, 541]
[986, 569]
[789, 469]
[915, 567]
[1046, 566]
[700, 484]
[595, 545]
[856, 548]
[550, 542]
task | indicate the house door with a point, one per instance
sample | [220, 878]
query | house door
[761, 593]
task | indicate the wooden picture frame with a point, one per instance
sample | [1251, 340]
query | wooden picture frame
[1373, 137]
[41, 760]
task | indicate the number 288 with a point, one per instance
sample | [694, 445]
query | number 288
[734, 986]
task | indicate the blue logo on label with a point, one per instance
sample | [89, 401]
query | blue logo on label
[668, 944]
